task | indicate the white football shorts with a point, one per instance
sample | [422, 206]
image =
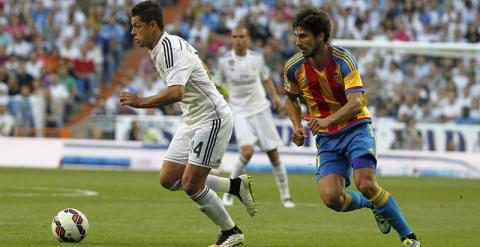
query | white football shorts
[257, 129]
[201, 144]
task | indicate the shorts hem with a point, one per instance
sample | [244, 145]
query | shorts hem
[212, 166]
[175, 161]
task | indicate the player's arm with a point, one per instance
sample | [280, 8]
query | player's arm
[167, 96]
[294, 112]
[347, 112]
[272, 91]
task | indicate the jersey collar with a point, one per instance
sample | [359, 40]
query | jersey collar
[156, 49]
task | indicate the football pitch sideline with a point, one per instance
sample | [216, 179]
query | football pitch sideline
[127, 208]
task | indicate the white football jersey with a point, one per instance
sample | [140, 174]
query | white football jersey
[243, 77]
[177, 63]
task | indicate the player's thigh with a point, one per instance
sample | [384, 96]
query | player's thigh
[266, 131]
[210, 142]
[179, 147]
[244, 132]
[170, 173]
[330, 187]
[194, 178]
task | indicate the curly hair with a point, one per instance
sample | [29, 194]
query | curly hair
[313, 20]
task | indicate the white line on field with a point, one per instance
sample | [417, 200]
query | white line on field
[46, 191]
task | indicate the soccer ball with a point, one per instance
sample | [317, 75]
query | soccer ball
[70, 225]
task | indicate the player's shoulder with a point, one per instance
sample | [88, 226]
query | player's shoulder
[227, 55]
[344, 58]
[171, 42]
[294, 62]
[341, 52]
[255, 54]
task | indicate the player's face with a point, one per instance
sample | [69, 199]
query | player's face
[142, 32]
[306, 42]
[240, 39]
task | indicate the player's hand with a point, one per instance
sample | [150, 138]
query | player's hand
[276, 103]
[316, 124]
[129, 99]
[298, 136]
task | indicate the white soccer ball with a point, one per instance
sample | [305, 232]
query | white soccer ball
[70, 225]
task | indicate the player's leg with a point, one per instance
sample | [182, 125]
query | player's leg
[245, 141]
[208, 146]
[333, 176]
[194, 185]
[331, 189]
[362, 150]
[269, 141]
[281, 178]
[385, 204]
[171, 175]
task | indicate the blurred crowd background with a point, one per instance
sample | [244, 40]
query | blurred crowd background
[55, 56]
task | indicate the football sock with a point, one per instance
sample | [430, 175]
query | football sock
[218, 184]
[355, 200]
[280, 174]
[409, 236]
[387, 207]
[215, 182]
[239, 167]
[209, 203]
[235, 186]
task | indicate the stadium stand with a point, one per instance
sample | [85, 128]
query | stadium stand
[406, 87]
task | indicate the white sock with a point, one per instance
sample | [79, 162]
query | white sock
[280, 174]
[209, 203]
[216, 183]
[239, 167]
[219, 184]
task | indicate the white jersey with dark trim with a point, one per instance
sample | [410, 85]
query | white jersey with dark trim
[177, 63]
[244, 76]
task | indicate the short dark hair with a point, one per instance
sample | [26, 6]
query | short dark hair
[149, 11]
[313, 20]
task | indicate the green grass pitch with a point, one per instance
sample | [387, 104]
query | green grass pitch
[131, 209]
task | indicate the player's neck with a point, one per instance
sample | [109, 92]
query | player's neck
[320, 59]
[240, 53]
[156, 39]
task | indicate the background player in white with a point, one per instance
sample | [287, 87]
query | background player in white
[247, 77]
[199, 144]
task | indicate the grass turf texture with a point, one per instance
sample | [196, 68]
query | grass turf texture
[132, 210]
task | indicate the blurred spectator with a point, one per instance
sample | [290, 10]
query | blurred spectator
[6, 120]
[135, 131]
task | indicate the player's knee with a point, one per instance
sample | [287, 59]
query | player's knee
[247, 152]
[166, 183]
[332, 200]
[367, 187]
[190, 186]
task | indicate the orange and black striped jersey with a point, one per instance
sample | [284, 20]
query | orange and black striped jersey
[325, 90]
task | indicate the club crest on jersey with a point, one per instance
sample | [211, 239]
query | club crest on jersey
[231, 62]
[337, 77]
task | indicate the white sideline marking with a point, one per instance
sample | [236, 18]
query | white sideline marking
[47, 191]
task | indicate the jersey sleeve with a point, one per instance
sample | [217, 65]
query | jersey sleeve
[179, 66]
[289, 80]
[351, 75]
[220, 74]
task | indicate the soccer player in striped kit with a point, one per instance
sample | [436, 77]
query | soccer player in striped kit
[327, 77]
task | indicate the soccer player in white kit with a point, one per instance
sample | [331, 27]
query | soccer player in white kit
[247, 77]
[200, 142]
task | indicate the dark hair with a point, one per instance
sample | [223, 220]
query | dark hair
[313, 20]
[149, 11]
